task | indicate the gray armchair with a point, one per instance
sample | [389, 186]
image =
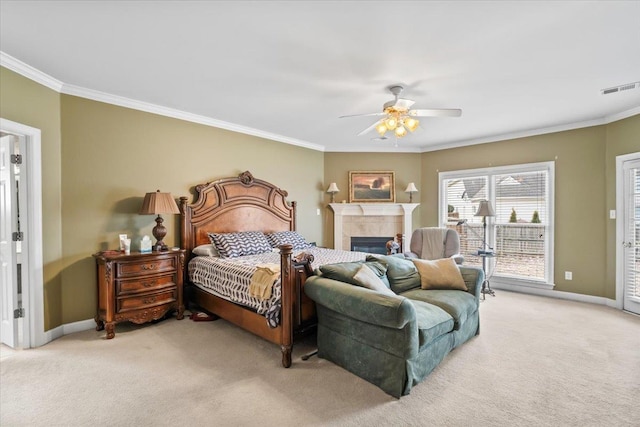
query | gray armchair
[434, 243]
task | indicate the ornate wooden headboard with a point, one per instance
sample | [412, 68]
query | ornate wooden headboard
[228, 205]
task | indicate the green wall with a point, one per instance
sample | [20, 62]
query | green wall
[579, 195]
[337, 166]
[584, 190]
[29, 103]
[99, 160]
[112, 156]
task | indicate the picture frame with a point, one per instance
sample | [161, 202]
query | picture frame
[372, 187]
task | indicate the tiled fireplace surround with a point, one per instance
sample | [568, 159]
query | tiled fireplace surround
[371, 220]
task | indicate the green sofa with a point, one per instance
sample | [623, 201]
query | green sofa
[391, 340]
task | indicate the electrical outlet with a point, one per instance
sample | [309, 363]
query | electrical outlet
[568, 275]
[318, 212]
[612, 214]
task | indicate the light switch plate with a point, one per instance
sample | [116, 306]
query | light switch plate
[612, 214]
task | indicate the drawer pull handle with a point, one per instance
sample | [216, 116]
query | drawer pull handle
[148, 267]
[149, 300]
[149, 284]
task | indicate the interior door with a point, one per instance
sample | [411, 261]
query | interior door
[8, 266]
[631, 235]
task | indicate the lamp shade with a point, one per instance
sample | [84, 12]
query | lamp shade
[159, 203]
[333, 188]
[485, 209]
[411, 188]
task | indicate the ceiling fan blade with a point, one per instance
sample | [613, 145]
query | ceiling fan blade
[403, 104]
[373, 126]
[443, 112]
[362, 115]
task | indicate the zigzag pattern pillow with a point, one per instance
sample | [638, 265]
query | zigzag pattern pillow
[231, 245]
[288, 237]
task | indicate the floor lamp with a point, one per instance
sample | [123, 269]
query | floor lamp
[484, 210]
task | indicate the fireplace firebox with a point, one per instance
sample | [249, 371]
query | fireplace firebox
[371, 245]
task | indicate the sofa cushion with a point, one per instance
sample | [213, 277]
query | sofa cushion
[367, 278]
[432, 322]
[401, 272]
[344, 271]
[439, 274]
[458, 304]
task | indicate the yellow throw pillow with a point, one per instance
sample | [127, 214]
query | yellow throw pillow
[440, 274]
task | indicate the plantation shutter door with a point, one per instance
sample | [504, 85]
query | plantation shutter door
[521, 222]
[631, 245]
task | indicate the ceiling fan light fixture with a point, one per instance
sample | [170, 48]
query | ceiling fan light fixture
[400, 131]
[391, 123]
[381, 128]
[411, 123]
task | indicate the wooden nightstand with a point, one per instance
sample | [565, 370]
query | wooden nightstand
[138, 287]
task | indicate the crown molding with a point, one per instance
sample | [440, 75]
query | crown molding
[535, 132]
[29, 72]
[622, 115]
[38, 76]
[181, 115]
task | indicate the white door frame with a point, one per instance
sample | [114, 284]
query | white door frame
[620, 225]
[32, 276]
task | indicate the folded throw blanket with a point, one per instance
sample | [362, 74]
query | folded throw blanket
[433, 242]
[263, 279]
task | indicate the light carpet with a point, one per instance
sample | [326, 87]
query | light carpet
[537, 362]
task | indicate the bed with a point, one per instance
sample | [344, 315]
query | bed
[240, 205]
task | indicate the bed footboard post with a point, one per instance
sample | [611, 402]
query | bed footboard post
[286, 321]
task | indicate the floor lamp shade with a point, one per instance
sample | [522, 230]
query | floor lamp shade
[155, 204]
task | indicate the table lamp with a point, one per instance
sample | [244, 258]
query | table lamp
[155, 204]
[411, 188]
[333, 189]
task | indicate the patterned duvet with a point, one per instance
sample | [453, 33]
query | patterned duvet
[229, 278]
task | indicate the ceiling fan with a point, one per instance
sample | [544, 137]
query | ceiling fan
[397, 115]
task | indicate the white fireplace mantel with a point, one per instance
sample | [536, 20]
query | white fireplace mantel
[341, 210]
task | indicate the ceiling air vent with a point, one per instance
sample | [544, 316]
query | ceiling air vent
[620, 88]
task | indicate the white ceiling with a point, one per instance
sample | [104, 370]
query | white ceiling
[287, 70]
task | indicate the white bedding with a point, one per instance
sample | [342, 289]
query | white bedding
[229, 278]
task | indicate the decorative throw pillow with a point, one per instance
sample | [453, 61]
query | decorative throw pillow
[287, 238]
[366, 278]
[206, 250]
[344, 271]
[231, 245]
[402, 273]
[440, 274]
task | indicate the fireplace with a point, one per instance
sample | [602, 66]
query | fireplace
[371, 220]
[371, 245]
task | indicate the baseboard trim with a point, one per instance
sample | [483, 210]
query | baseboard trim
[70, 328]
[557, 294]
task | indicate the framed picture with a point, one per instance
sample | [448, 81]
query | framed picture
[374, 186]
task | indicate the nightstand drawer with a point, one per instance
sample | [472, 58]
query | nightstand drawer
[147, 300]
[144, 284]
[137, 268]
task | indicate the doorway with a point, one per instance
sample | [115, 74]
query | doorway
[22, 261]
[628, 232]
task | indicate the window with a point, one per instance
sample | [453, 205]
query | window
[520, 233]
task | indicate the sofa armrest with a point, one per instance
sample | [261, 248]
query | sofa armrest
[473, 278]
[391, 311]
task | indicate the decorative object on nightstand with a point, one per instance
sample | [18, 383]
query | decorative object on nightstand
[333, 189]
[155, 204]
[411, 188]
[138, 287]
